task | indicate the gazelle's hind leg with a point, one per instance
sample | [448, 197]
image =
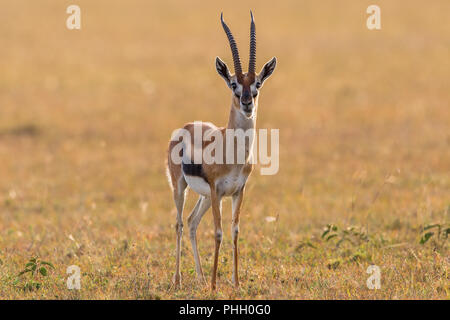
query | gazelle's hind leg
[194, 219]
[178, 196]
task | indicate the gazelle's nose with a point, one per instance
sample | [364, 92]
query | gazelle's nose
[247, 106]
[246, 103]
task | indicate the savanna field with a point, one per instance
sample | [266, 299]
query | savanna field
[364, 175]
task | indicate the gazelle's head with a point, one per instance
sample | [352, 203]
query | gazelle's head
[245, 86]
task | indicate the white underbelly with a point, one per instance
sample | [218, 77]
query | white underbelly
[226, 185]
[198, 184]
[229, 184]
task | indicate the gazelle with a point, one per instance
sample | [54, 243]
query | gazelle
[214, 181]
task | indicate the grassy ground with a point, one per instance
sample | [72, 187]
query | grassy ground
[85, 117]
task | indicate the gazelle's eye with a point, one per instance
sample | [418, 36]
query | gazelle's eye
[258, 85]
[233, 85]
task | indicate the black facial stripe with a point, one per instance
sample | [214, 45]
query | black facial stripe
[246, 95]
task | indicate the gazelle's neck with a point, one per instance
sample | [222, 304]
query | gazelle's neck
[238, 120]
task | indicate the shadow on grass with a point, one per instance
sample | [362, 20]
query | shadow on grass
[25, 130]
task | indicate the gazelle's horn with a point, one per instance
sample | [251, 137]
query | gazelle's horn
[252, 59]
[233, 46]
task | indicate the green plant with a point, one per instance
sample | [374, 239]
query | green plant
[351, 234]
[333, 264]
[437, 230]
[36, 269]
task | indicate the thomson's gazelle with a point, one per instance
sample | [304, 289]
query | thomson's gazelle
[214, 181]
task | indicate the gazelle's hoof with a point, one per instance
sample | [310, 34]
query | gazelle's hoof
[235, 280]
[201, 280]
[176, 281]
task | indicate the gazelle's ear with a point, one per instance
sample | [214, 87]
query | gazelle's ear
[223, 71]
[267, 70]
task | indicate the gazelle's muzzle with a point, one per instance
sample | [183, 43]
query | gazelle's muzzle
[247, 109]
[247, 102]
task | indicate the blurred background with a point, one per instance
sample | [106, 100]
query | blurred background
[86, 116]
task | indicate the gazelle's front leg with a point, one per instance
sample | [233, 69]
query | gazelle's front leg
[215, 201]
[236, 208]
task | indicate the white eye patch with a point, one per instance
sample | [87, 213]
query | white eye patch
[238, 89]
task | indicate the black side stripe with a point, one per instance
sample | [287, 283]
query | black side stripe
[192, 169]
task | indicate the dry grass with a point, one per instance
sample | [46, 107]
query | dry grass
[85, 117]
